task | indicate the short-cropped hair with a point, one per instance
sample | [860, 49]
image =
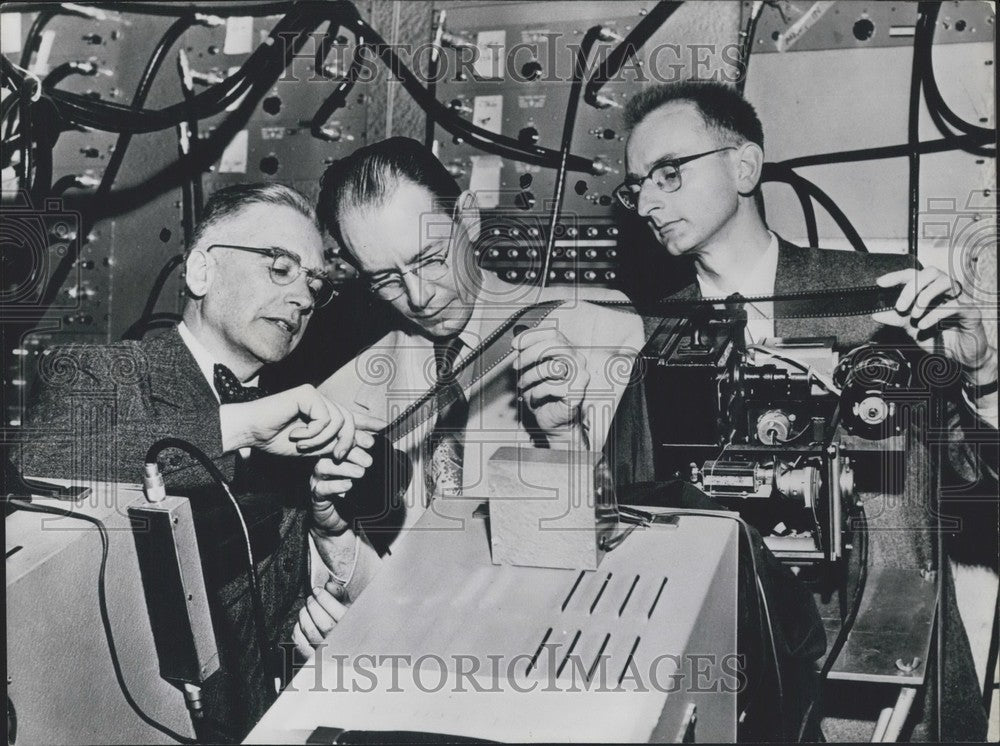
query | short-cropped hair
[721, 106]
[231, 200]
[368, 177]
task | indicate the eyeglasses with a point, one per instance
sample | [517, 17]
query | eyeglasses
[665, 174]
[286, 268]
[429, 267]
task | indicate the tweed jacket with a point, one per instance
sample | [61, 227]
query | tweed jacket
[96, 412]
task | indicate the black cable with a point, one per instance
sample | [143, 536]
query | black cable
[780, 172]
[628, 48]
[887, 151]
[912, 138]
[923, 43]
[154, 295]
[763, 611]
[102, 601]
[253, 578]
[24, 115]
[859, 590]
[808, 214]
[746, 46]
[478, 137]
[339, 96]
[64, 183]
[256, 9]
[169, 38]
[569, 124]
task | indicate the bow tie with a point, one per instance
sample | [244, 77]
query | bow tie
[231, 391]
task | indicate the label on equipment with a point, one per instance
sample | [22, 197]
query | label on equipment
[234, 157]
[239, 35]
[536, 101]
[10, 33]
[484, 181]
[490, 60]
[797, 30]
[487, 112]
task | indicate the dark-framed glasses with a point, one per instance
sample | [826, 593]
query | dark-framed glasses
[286, 268]
[429, 267]
[665, 174]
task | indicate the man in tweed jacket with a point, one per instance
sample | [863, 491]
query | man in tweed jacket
[694, 160]
[254, 275]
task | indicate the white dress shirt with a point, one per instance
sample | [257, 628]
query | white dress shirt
[758, 281]
[206, 364]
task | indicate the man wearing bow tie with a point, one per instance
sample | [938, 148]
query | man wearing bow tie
[254, 275]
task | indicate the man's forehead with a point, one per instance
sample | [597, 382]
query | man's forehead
[670, 131]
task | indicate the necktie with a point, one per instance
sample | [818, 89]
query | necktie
[443, 475]
[230, 390]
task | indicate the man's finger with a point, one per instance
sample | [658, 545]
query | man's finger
[330, 604]
[898, 277]
[345, 436]
[911, 289]
[891, 318]
[363, 438]
[309, 627]
[321, 617]
[369, 422]
[331, 487]
[302, 644]
[939, 314]
[360, 456]
[939, 287]
[328, 468]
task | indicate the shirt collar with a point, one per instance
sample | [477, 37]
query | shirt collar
[204, 358]
[759, 281]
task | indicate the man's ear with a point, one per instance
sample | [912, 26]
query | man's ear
[749, 166]
[199, 271]
[468, 207]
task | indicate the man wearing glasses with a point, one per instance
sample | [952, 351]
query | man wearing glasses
[694, 160]
[254, 275]
[403, 222]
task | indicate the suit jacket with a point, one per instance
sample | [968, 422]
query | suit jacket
[392, 373]
[97, 411]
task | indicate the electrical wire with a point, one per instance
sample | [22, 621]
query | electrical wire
[848, 623]
[627, 49]
[913, 158]
[764, 612]
[927, 14]
[163, 46]
[783, 173]
[590, 38]
[483, 139]
[746, 44]
[102, 601]
[253, 577]
[147, 314]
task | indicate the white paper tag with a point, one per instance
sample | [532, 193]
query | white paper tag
[239, 35]
[10, 33]
[492, 46]
[487, 112]
[484, 181]
[798, 29]
[234, 157]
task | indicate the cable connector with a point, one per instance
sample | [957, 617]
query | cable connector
[606, 34]
[192, 698]
[208, 20]
[152, 483]
[95, 13]
[604, 102]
